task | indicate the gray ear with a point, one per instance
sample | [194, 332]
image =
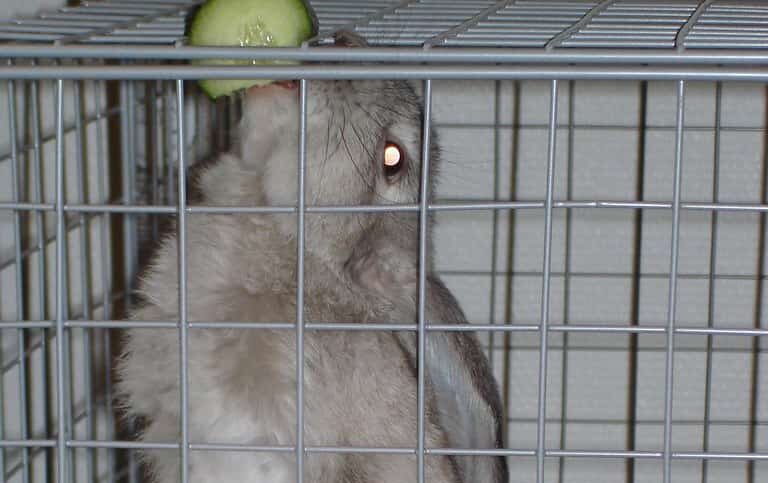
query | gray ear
[347, 38]
[468, 400]
[469, 405]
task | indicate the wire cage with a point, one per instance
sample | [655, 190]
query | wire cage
[601, 218]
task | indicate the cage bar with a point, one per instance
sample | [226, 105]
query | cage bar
[84, 278]
[711, 287]
[300, 247]
[105, 225]
[566, 281]
[438, 206]
[673, 264]
[61, 355]
[422, 280]
[545, 287]
[387, 327]
[134, 72]
[21, 340]
[182, 267]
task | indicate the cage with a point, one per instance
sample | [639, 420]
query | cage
[601, 218]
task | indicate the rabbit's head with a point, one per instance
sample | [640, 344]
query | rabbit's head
[363, 147]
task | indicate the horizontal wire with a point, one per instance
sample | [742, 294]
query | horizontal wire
[520, 347]
[640, 422]
[471, 55]
[44, 324]
[385, 327]
[442, 206]
[27, 443]
[73, 224]
[8, 365]
[650, 347]
[128, 72]
[552, 453]
[78, 418]
[598, 127]
[91, 444]
[517, 273]
[608, 275]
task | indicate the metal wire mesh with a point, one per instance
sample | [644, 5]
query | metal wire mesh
[694, 24]
[132, 133]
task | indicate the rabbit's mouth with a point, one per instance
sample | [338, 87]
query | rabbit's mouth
[287, 84]
[272, 88]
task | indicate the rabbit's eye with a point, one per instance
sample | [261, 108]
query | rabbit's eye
[394, 158]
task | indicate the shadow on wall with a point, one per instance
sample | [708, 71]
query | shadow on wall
[18, 8]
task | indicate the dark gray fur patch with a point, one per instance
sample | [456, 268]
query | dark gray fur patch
[432, 416]
[352, 471]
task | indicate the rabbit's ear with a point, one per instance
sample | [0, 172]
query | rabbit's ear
[468, 399]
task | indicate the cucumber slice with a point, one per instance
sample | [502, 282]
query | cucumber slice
[248, 23]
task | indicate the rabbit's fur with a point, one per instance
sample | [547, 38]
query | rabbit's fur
[360, 386]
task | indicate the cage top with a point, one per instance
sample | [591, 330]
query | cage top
[545, 24]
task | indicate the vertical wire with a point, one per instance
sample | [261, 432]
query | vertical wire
[19, 278]
[132, 174]
[106, 280]
[128, 167]
[106, 271]
[37, 169]
[38, 188]
[61, 445]
[302, 155]
[68, 354]
[170, 188]
[510, 266]
[21, 341]
[182, 234]
[164, 163]
[670, 351]
[566, 284]
[545, 287]
[65, 290]
[754, 399]
[712, 281]
[84, 280]
[423, 222]
[157, 143]
[495, 217]
[637, 266]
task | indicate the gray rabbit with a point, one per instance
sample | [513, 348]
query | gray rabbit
[363, 147]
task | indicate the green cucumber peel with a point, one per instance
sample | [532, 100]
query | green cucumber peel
[248, 23]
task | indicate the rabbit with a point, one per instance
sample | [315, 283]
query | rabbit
[360, 386]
